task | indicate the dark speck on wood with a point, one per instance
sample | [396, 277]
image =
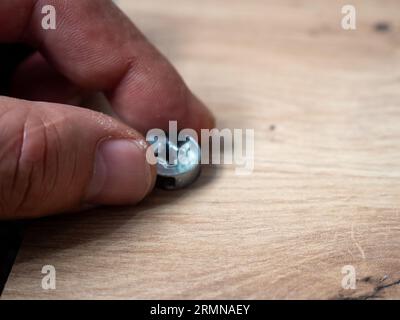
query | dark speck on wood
[382, 26]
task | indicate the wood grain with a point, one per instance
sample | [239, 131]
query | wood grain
[325, 193]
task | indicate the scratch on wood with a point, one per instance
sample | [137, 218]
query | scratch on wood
[374, 294]
[377, 290]
[356, 243]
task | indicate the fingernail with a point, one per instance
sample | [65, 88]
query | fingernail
[121, 173]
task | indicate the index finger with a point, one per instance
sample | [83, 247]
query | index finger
[97, 47]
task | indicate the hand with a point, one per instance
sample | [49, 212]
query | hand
[56, 157]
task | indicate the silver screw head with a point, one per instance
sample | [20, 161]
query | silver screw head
[178, 164]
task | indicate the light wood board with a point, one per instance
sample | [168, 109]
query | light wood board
[325, 192]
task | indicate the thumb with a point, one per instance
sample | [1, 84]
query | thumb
[55, 158]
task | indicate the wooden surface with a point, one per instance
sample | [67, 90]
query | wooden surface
[325, 193]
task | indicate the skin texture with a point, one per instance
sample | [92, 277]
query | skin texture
[55, 157]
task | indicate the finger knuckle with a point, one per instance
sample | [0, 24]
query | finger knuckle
[23, 162]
